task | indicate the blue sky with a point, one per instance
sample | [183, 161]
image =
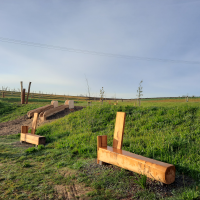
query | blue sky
[160, 30]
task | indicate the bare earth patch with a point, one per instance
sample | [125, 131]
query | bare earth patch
[14, 126]
[72, 192]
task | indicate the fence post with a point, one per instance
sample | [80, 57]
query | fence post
[28, 92]
[23, 97]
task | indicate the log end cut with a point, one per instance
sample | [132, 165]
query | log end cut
[170, 174]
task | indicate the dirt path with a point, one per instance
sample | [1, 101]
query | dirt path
[14, 126]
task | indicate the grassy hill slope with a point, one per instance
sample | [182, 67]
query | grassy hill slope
[169, 134]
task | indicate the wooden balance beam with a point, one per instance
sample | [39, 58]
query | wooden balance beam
[31, 137]
[154, 169]
[39, 110]
[52, 111]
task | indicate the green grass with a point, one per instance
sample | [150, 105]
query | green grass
[11, 108]
[10, 111]
[167, 133]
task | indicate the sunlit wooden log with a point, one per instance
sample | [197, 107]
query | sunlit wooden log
[154, 169]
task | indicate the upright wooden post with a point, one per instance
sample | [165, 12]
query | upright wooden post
[34, 124]
[21, 82]
[24, 129]
[3, 94]
[28, 92]
[101, 142]
[23, 97]
[119, 130]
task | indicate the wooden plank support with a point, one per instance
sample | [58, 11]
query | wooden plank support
[54, 103]
[34, 123]
[101, 142]
[70, 103]
[39, 110]
[119, 130]
[154, 169]
[31, 137]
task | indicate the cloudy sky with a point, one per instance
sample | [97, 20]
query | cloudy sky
[113, 43]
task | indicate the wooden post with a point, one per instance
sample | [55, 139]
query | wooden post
[21, 92]
[28, 92]
[101, 142]
[34, 124]
[24, 129]
[23, 97]
[3, 94]
[119, 130]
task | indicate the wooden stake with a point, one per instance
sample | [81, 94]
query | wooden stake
[23, 97]
[28, 92]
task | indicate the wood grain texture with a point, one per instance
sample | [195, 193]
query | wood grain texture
[154, 169]
[101, 142]
[33, 139]
[24, 129]
[34, 123]
[39, 110]
[119, 130]
[52, 111]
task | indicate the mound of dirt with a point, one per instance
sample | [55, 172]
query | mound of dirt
[14, 126]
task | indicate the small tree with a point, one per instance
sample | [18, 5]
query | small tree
[139, 91]
[88, 87]
[102, 94]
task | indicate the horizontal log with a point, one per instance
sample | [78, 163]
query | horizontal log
[157, 170]
[39, 110]
[33, 139]
[52, 111]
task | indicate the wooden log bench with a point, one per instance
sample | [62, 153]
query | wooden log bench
[31, 137]
[154, 169]
[52, 111]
